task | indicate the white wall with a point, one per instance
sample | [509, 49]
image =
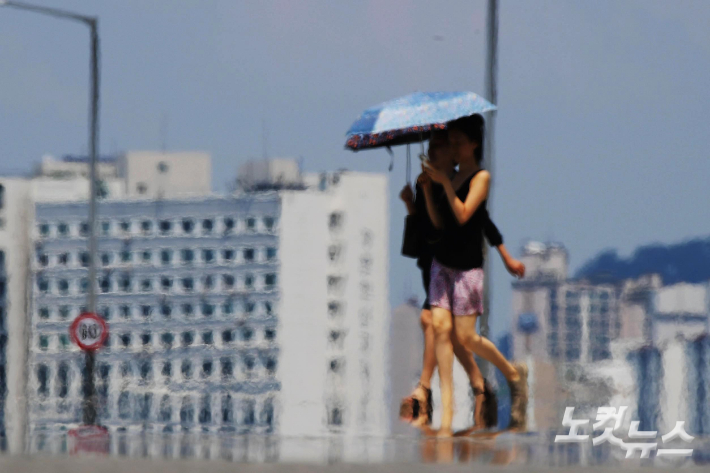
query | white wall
[302, 333]
[14, 241]
[188, 173]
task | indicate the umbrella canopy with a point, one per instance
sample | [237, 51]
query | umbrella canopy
[410, 119]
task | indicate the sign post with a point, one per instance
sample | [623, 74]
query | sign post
[89, 332]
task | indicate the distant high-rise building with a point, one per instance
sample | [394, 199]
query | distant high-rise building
[588, 340]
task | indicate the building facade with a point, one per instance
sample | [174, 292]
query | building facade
[635, 343]
[259, 312]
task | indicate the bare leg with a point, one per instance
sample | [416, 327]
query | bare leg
[475, 377]
[467, 336]
[429, 363]
[443, 325]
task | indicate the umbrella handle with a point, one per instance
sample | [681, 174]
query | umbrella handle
[409, 166]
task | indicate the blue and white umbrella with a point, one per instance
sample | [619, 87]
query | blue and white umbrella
[410, 119]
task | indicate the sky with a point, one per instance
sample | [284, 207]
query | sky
[599, 133]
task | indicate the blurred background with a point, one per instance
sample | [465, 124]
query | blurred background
[249, 266]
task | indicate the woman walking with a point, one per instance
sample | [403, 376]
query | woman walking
[456, 289]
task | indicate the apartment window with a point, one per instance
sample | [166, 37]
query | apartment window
[105, 228]
[337, 365]
[208, 282]
[105, 284]
[249, 254]
[44, 229]
[125, 311]
[124, 406]
[247, 334]
[166, 310]
[63, 259]
[268, 308]
[187, 310]
[166, 257]
[271, 254]
[44, 312]
[206, 368]
[251, 224]
[207, 309]
[271, 365]
[166, 410]
[228, 308]
[227, 409]
[167, 370]
[84, 229]
[188, 256]
[63, 229]
[228, 224]
[269, 223]
[146, 310]
[126, 340]
[166, 283]
[167, 339]
[335, 221]
[64, 341]
[188, 284]
[146, 338]
[146, 285]
[43, 380]
[207, 338]
[188, 225]
[126, 226]
[334, 308]
[270, 334]
[249, 413]
[64, 312]
[146, 257]
[186, 369]
[228, 255]
[227, 367]
[84, 285]
[227, 336]
[207, 225]
[208, 256]
[270, 280]
[146, 227]
[84, 259]
[124, 283]
[166, 227]
[126, 256]
[105, 312]
[146, 370]
[43, 260]
[249, 281]
[187, 338]
[249, 307]
[43, 285]
[187, 410]
[228, 281]
[249, 362]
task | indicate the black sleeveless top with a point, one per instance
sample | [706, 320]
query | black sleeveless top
[461, 246]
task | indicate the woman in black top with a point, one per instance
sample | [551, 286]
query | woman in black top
[457, 275]
[485, 409]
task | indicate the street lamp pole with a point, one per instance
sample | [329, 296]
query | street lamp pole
[92, 23]
[491, 86]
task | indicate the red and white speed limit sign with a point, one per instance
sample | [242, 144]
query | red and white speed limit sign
[89, 331]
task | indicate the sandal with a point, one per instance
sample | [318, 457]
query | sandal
[489, 406]
[416, 406]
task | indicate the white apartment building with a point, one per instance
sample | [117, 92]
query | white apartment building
[288, 283]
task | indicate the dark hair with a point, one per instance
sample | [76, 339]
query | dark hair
[474, 128]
